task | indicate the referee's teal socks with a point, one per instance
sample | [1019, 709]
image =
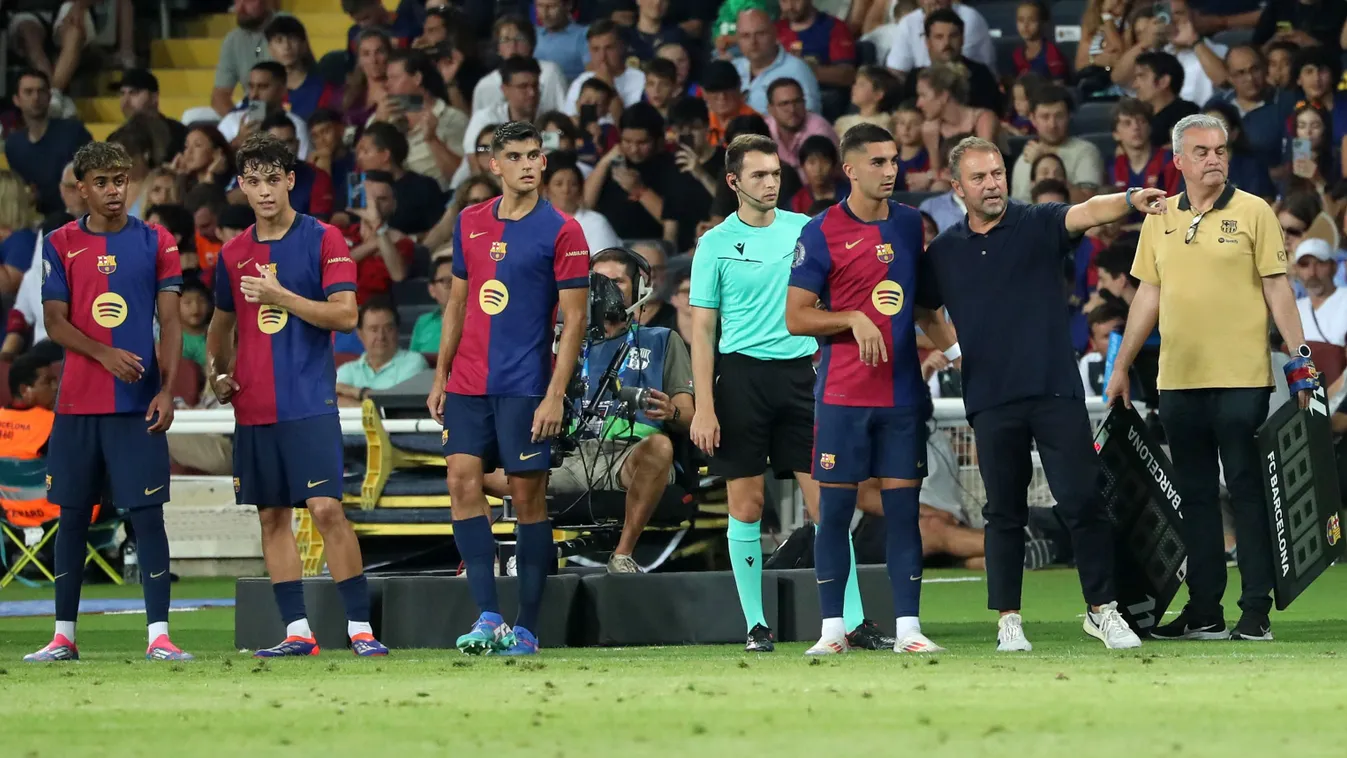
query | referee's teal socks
[746, 558]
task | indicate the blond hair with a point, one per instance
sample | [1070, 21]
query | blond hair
[18, 210]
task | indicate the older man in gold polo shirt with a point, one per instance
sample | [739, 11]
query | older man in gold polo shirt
[1212, 269]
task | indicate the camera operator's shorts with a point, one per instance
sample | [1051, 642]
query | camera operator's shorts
[284, 464]
[499, 430]
[595, 465]
[766, 412]
[852, 444]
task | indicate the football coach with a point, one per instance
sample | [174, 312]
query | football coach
[999, 274]
[1212, 268]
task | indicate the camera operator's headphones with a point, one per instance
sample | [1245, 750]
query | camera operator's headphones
[643, 286]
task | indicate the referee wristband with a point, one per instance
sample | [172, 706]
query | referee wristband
[953, 352]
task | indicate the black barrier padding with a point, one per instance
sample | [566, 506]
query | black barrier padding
[257, 620]
[800, 614]
[683, 608]
[433, 611]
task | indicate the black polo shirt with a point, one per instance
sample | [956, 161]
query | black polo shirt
[1005, 292]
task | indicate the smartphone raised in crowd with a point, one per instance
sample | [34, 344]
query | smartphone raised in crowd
[257, 111]
[551, 141]
[1301, 149]
[589, 114]
[355, 190]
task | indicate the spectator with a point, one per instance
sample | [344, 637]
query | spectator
[327, 152]
[1317, 73]
[161, 187]
[763, 61]
[1280, 60]
[1051, 113]
[1103, 321]
[790, 124]
[693, 182]
[914, 160]
[419, 200]
[1016, 120]
[402, 25]
[312, 192]
[43, 145]
[629, 185]
[598, 128]
[1323, 307]
[1037, 54]
[234, 220]
[1247, 170]
[452, 47]
[1104, 37]
[1139, 163]
[476, 189]
[1158, 81]
[929, 229]
[306, 89]
[1300, 212]
[520, 79]
[27, 422]
[682, 290]
[607, 61]
[140, 96]
[564, 187]
[480, 162]
[661, 78]
[515, 36]
[942, 96]
[725, 201]
[564, 137]
[266, 95]
[426, 330]
[383, 366]
[946, 208]
[382, 253]
[206, 158]
[823, 182]
[655, 312]
[145, 139]
[366, 84]
[206, 202]
[1310, 152]
[694, 154]
[678, 55]
[909, 50]
[1307, 23]
[724, 95]
[243, 48]
[944, 35]
[871, 94]
[178, 221]
[1047, 166]
[414, 101]
[822, 40]
[18, 232]
[560, 39]
[651, 30]
[1050, 191]
[195, 307]
[1201, 60]
[1263, 110]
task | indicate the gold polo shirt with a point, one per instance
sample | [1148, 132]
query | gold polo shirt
[1213, 319]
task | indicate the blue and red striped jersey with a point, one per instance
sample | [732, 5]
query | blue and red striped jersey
[514, 270]
[111, 282]
[853, 265]
[826, 41]
[1159, 172]
[284, 365]
[1049, 63]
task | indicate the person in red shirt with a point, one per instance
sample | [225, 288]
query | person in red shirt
[383, 255]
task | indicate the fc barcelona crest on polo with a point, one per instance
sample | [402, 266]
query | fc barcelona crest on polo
[107, 264]
[884, 253]
[497, 251]
[1229, 226]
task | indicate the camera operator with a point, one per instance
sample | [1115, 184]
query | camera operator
[628, 449]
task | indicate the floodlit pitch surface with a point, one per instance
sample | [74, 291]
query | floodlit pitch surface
[1069, 697]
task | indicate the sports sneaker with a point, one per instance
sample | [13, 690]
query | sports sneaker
[290, 647]
[868, 636]
[622, 564]
[1109, 626]
[829, 647]
[524, 643]
[916, 642]
[489, 634]
[760, 640]
[365, 646]
[1010, 635]
[162, 649]
[59, 649]
[1189, 627]
[1253, 627]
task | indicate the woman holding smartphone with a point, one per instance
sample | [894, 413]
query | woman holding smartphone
[1311, 150]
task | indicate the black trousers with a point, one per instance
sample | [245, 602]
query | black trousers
[1208, 428]
[1061, 428]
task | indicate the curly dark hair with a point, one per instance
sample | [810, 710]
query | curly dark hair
[101, 156]
[262, 149]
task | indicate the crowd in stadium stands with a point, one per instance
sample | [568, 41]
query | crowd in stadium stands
[636, 100]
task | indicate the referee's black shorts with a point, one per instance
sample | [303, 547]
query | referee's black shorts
[766, 413]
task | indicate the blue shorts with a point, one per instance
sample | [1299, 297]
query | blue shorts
[284, 464]
[499, 430]
[852, 444]
[90, 457]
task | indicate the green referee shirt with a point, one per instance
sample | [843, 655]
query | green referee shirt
[743, 271]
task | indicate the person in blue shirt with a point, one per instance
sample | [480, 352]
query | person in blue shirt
[764, 61]
[560, 39]
[39, 151]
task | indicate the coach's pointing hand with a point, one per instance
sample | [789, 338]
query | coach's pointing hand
[869, 339]
[1150, 201]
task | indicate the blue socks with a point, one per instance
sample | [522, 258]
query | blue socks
[71, 539]
[477, 546]
[853, 610]
[354, 597]
[745, 540]
[832, 548]
[903, 548]
[290, 600]
[152, 551]
[533, 559]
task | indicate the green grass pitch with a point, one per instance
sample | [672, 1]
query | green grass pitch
[1070, 697]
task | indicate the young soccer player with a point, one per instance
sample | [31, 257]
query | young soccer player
[497, 391]
[860, 259]
[285, 285]
[914, 162]
[104, 277]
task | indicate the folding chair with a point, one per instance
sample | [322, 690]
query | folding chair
[29, 522]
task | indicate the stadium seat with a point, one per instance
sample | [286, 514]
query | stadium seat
[1104, 142]
[1000, 14]
[411, 291]
[1093, 117]
[30, 536]
[1005, 54]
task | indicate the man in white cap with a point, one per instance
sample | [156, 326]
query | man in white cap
[1323, 309]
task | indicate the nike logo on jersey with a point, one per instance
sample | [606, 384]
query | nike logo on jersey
[523, 457]
[313, 484]
[241, 265]
[149, 491]
[63, 573]
[853, 244]
[77, 252]
[916, 578]
[475, 235]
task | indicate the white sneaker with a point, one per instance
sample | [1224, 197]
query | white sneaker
[1010, 635]
[829, 647]
[1108, 626]
[916, 643]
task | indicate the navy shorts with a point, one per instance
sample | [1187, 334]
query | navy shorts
[284, 464]
[499, 430]
[90, 457]
[852, 444]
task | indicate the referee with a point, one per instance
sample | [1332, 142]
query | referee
[1212, 269]
[999, 274]
[757, 404]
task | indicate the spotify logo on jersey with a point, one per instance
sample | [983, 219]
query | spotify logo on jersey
[887, 297]
[493, 297]
[271, 319]
[109, 310]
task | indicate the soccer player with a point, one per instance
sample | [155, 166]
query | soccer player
[292, 280]
[756, 404]
[859, 258]
[497, 391]
[104, 277]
